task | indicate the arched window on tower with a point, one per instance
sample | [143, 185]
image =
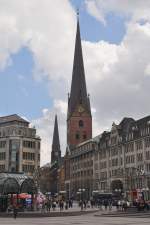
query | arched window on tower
[81, 124]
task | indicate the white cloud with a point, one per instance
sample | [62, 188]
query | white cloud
[45, 128]
[117, 75]
[147, 70]
[93, 9]
[136, 9]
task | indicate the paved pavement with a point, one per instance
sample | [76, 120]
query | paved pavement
[89, 219]
[75, 211]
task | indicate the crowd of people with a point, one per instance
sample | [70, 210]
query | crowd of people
[54, 204]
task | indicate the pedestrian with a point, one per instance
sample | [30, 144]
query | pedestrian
[70, 203]
[105, 203]
[81, 204]
[49, 204]
[110, 204]
[84, 203]
[53, 205]
[66, 205]
[124, 206]
[15, 211]
[61, 205]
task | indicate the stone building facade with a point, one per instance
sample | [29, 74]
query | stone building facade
[81, 167]
[122, 157]
[19, 146]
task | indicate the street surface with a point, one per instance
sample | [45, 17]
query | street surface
[89, 219]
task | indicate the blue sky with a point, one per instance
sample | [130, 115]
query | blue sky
[26, 96]
[93, 30]
[23, 95]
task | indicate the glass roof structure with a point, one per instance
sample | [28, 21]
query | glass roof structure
[15, 183]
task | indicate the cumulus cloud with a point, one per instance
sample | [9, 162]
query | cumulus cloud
[45, 27]
[136, 9]
[118, 76]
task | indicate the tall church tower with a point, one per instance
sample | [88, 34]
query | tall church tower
[79, 118]
[56, 152]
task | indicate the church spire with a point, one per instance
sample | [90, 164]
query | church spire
[56, 153]
[78, 95]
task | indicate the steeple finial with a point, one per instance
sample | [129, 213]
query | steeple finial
[77, 13]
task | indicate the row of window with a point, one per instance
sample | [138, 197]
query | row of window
[29, 144]
[2, 144]
[114, 172]
[130, 159]
[140, 157]
[83, 173]
[83, 165]
[114, 162]
[147, 142]
[147, 155]
[2, 155]
[129, 146]
[28, 168]
[84, 156]
[87, 146]
[148, 167]
[139, 145]
[143, 132]
[28, 156]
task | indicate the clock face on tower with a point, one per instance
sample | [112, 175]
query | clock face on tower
[80, 109]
